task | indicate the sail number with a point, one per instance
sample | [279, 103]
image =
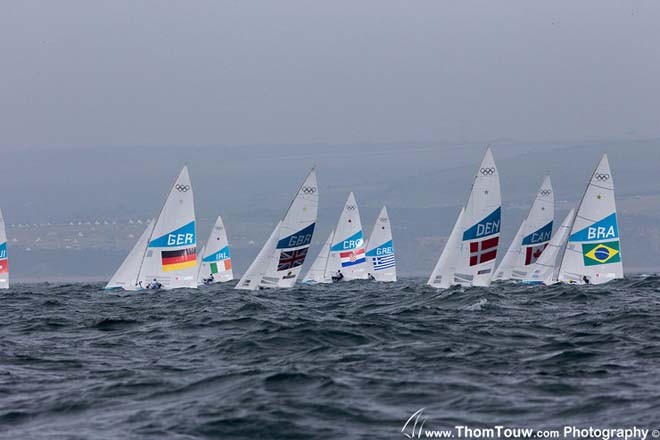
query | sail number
[180, 239]
[352, 244]
[601, 232]
[488, 228]
[384, 251]
[300, 240]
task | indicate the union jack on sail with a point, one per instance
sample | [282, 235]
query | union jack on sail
[292, 259]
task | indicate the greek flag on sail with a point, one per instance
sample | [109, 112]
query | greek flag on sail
[384, 262]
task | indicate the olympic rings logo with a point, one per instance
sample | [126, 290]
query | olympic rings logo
[383, 219]
[309, 190]
[182, 188]
[546, 192]
[602, 177]
[487, 171]
[350, 207]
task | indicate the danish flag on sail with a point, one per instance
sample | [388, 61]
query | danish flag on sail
[483, 251]
[350, 258]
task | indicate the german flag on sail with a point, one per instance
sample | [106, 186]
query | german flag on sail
[178, 260]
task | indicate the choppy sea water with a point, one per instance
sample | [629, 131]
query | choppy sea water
[352, 360]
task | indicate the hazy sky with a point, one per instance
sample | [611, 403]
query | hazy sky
[126, 72]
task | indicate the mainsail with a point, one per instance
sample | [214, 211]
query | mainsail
[216, 259]
[593, 252]
[4, 258]
[532, 238]
[126, 276]
[481, 227]
[347, 251]
[171, 256]
[316, 273]
[293, 235]
[380, 249]
[442, 276]
[546, 269]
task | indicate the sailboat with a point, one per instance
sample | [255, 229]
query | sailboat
[380, 249]
[593, 251]
[347, 253]
[4, 258]
[280, 261]
[442, 276]
[480, 225]
[215, 266]
[546, 269]
[317, 273]
[169, 254]
[532, 238]
[126, 276]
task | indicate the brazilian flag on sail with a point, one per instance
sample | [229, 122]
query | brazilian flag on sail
[601, 253]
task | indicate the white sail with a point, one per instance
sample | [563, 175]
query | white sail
[126, 276]
[593, 251]
[442, 276]
[251, 279]
[380, 249]
[294, 236]
[512, 257]
[171, 256]
[215, 264]
[347, 251]
[546, 269]
[481, 227]
[538, 229]
[4, 257]
[316, 273]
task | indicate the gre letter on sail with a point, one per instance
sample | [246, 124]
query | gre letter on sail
[170, 249]
[280, 261]
[4, 259]
[216, 260]
[480, 227]
[593, 251]
[380, 249]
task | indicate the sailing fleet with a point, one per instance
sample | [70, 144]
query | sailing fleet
[584, 249]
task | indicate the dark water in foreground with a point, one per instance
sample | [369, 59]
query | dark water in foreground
[344, 361]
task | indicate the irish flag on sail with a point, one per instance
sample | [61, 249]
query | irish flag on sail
[219, 261]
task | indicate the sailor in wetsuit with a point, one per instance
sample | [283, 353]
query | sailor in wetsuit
[154, 285]
[371, 277]
[338, 277]
[208, 280]
[586, 280]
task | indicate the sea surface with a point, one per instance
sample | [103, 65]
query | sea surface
[345, 361]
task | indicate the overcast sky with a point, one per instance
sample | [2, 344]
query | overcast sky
[87, 73]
